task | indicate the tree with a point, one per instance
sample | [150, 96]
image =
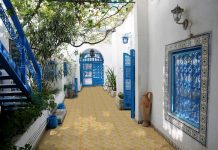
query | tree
[51, 24]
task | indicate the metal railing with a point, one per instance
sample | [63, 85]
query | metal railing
[27, 58]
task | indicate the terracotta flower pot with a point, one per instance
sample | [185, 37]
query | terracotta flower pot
[145, 108]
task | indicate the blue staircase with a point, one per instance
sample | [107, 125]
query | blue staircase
[15, 90]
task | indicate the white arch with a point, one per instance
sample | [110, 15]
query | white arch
[95, 50]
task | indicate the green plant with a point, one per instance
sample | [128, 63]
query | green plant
[120, 95]
[111, 79]
[16, 122]
[9, 12]
[68, 86]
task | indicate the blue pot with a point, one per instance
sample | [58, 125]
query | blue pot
[61, 106]
[52, 121]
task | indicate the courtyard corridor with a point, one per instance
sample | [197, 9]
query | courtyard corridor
[93, 122]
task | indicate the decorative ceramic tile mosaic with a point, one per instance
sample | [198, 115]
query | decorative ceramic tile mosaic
[186, 85]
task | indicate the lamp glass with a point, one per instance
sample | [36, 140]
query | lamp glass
[125, 40]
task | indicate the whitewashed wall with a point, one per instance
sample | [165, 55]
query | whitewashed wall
[120, 48]
[4, 36]
[153, 28]
[163, 30]
[137, 25]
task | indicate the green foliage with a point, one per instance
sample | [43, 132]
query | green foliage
[17, 122]
[68, 86]
[111, 79]
[120, 95]
[51, 24]
[9, 12]
[52, 71]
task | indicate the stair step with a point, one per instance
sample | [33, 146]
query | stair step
[14, 104]
[5, 77]
[8, 86]
[1, 67]
[13, 99]
[11, 93]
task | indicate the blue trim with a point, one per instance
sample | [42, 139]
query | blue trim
[175, 96]
[76, 86]
[127, 81]
[132, 54]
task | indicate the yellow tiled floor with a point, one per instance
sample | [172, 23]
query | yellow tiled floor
[94, 123]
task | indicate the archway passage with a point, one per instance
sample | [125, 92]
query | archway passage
[91, 68]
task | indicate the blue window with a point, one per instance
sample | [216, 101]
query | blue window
[65, 69]
[51, 70]
[186, 74]
[186, 85]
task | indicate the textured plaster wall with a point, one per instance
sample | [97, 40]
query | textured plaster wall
[120, 48]
[137, 25]
[4, 37]
[162, 31]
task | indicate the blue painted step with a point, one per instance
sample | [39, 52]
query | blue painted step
[11, 93]
[14, 104]
[5, 86]
[14, 99]
[5, 77]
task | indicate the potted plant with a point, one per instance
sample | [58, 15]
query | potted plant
[68, 90]
[111, 79]
[120, 98]
[105, 87]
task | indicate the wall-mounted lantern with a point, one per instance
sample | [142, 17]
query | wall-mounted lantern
[177, 14]
[125, 39]
[92, 53]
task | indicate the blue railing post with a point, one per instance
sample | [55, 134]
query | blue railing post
[40, 78]
[132, 54]
[22, 61]
[23, 67]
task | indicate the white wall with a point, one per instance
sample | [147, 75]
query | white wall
[162, 31]
[137, 25]
[4, 36]
[120, 48]
[142, 53]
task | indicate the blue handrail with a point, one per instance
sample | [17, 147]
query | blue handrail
[12, 69]
[22, 45]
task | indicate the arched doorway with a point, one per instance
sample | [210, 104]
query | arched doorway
[91, 68]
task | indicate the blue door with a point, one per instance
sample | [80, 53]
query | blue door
[92, 69]
[129, 81]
